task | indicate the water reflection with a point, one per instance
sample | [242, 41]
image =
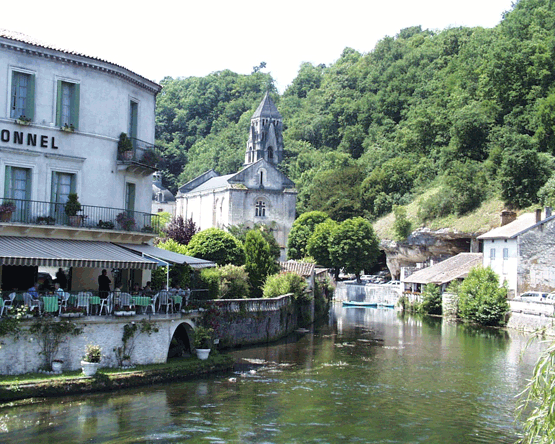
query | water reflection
[369, 375]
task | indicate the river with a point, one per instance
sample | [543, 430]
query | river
[367, 376]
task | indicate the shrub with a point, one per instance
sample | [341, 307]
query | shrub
[227, 282]
[284, 283]
[218, 246]
[431, 304]
[402, 226]
[481, 300]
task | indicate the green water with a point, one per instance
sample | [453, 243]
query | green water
[369, 376]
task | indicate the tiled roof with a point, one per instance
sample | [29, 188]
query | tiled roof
[513, 229]
[304, 269]
[456, 267]
[213, 183]
[23, 38]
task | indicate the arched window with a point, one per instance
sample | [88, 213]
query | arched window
[260, 208]
[261, 177]
[270, 153]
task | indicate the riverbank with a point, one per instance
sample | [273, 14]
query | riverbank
[37, 385]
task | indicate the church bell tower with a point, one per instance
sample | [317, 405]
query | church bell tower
[265, 134]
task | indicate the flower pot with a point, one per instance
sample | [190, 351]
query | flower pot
[57, 366]
[125, 313]
[127, 155]
[6, 216]
[75, 221]
[202, 353]
[89, 368]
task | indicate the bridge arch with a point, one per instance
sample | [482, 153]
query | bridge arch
[181, 342]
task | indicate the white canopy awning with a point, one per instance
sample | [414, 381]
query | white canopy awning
[68, 253]
[168, 256]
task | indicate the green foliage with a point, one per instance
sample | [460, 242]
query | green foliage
[203, 337]
[402, 226]
[522, 174]
[538, 401]
[218, 246]
[302, 229]
[226, 282]
[259, 261]
[285, 283]
[481, 300]
[431, 303]
[50, 333]
[546, 193]
[354, 246]
[72, 206]
[240, 232]
[318, 245]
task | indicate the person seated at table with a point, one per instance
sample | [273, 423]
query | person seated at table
[136, 289]
[147, 291]
[58, 291]
[34, 291]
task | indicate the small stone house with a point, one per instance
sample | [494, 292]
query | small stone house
[522, 252]
[442, 274]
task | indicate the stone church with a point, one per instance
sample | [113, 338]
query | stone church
[258, 193]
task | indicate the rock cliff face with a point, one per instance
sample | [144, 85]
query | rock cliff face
[424, 245]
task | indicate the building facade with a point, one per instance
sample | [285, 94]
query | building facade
[522, 252]
[162, 199]
[61, 116]
[257, 194]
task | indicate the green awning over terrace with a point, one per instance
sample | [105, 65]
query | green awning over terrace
[68, 253]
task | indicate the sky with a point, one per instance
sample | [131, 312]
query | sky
[188, 38]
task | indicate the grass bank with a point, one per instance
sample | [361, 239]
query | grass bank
[37, 385]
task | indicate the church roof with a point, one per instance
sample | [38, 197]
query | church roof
[267, 109]
[214, 182]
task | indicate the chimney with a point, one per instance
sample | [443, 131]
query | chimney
[547, 212]
[507, 216]
[538, 215]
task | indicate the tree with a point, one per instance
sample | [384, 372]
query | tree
[354, 246]
[240, 232]
[318, 245]
[481, 300]
[402, 226]
[302, 229]
[522, 174]
[218, 246]
[181, 230]
[259, 262]
[431, 303]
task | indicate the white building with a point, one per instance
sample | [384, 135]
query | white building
[258, 193]
[61, 115]
[522, 252]
[162, 199]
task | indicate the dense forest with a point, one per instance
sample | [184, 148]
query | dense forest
[466, 112]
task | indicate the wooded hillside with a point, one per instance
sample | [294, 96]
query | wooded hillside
[467, 111]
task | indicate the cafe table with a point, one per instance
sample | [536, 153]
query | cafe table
[141, 301]
[50, 304]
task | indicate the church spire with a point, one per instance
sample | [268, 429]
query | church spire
[265, 135]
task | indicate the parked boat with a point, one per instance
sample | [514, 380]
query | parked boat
[359, 304]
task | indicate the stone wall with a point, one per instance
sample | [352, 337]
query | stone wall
[382, 294]
[265, 320]
[450, 304]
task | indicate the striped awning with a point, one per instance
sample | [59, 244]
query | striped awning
[168, 256]
[68, 253]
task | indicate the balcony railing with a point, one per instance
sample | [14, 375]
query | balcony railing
[143, 152]
[48, 213]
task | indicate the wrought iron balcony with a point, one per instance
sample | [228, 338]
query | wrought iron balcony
[143, 153]
[34, 212]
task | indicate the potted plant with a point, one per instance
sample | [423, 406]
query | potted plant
[6, 210]
[57, 365]
[91, 360]
[150, 158]
[72, 207]
[203, 341]
[125, 310]
[45, 220]
[125, 147]
[22, 120]
[68, 128]
[125, 221]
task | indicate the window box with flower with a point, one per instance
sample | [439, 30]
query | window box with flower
[23, 120]
[124, 310]
[6, 210]
[125, 221]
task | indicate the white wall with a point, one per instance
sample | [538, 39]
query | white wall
[506, 269]
[90, 152]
